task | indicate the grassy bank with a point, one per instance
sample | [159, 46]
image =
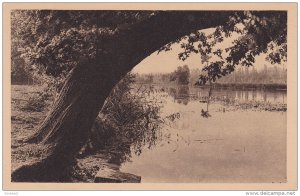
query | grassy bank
[127, 122]
[27, 113]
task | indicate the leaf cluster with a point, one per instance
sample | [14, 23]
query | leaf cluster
[252, 33]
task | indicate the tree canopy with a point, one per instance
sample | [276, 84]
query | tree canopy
[255, 33]
[52, 42]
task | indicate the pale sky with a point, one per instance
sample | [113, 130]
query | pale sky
[166, 62]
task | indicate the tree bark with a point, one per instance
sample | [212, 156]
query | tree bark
[66, 128]
[64, 131]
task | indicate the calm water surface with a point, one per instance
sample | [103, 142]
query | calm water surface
[232, 145]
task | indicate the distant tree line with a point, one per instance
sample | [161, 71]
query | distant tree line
[243, 75]
[180, 76]
[250, 75]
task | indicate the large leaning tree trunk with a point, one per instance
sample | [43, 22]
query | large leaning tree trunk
[67, 126]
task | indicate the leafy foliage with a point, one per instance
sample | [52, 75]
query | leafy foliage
[52, 42]
[128, 121]
[254, 32]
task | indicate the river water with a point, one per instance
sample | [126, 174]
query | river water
[215, 142]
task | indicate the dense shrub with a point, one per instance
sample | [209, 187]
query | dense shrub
[128, 121]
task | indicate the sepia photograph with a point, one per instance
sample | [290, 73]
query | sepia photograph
[137, 95]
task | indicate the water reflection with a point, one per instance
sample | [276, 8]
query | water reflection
[181, 94]
[192, 124]
[184, 94]
[227, 147]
